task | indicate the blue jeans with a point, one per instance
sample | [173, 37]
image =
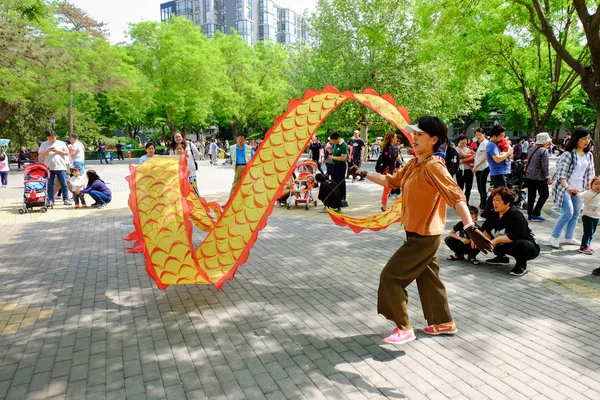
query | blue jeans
[100, 197]
[569, 213]
[62, 179]
[102, 156]
[80, 165]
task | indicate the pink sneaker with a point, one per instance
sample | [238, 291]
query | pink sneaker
[448, 328]
[586, 250]
[399, 336]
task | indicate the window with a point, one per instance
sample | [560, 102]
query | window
[244, 27]
[249, 13]
[239, 14]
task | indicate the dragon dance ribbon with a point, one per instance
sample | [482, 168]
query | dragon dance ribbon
[165, 208]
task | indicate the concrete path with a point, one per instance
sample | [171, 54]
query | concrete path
[79, 317]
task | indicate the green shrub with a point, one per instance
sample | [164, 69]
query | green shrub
[135, 153]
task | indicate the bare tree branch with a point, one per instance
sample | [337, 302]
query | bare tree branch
[537, 14]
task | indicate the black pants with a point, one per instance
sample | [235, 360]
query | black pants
[459, 248]
[481, 178]
[319, 166]
[589, 228]
[329, 167]
[497, 181]
[120, 155]
[465, 181]
[338, 174]
[535, 187]
[521, 250]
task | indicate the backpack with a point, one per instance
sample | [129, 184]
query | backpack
[452, 160]
[381, 163]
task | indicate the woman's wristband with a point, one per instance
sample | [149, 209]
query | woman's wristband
[469, 226]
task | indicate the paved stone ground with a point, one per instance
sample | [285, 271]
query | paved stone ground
[79, 317]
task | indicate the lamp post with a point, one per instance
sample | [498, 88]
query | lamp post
[52, 121]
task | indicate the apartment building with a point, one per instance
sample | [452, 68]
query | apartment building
[254, 20]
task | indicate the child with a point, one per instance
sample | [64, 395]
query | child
[590, 214]
[76, 184]
[4, 168]
[180, 149]
[149, 152]
[97, 189]
[459, 241]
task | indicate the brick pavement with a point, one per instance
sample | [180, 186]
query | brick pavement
[79, 317]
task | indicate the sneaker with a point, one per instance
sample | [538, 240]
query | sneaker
[448, 328]
[344, 203]
[323, 210]
[555, 242]
[537, 218]
[102, 206]
[519, 270]
[67, 203]
[586, 251]
[596, 272]
[399, 336]
[76, 205]
[498, 260]
[94, 205]
[84, 206]
[572, 241]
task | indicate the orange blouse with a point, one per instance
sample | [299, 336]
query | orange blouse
[427, 188]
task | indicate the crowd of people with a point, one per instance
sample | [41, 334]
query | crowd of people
[61, 158]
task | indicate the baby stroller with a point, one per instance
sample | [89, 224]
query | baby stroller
[303, 185]
[516, 181]
[36, 188]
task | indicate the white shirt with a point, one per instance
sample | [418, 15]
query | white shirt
[78, 154]
[591, 203]
[192, 151]
[55, 161]
[76, 183]
[576, 178]
[480, 154]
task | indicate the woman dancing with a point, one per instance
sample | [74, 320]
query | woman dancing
[426, 188]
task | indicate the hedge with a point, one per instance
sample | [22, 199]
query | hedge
[135, 153]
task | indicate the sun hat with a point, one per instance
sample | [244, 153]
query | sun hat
[542, 138]
[413, 128]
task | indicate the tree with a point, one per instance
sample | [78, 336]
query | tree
[183, 67]
[588, 69]
[384, 45]
[23, 54]
[539, 74]
[256, 89]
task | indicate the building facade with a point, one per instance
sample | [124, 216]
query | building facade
[254, 20]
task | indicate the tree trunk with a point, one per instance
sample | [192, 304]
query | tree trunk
[596, 136]
[364, 133]
[6, 111]
[70, 114]
[170, 124]
[235, 128]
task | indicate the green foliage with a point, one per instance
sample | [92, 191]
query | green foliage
[442, 57]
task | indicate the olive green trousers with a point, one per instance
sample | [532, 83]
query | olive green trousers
[415, 260]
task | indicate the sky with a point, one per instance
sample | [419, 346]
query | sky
[118, 13]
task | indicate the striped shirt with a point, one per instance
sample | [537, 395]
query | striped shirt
[564, 168]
